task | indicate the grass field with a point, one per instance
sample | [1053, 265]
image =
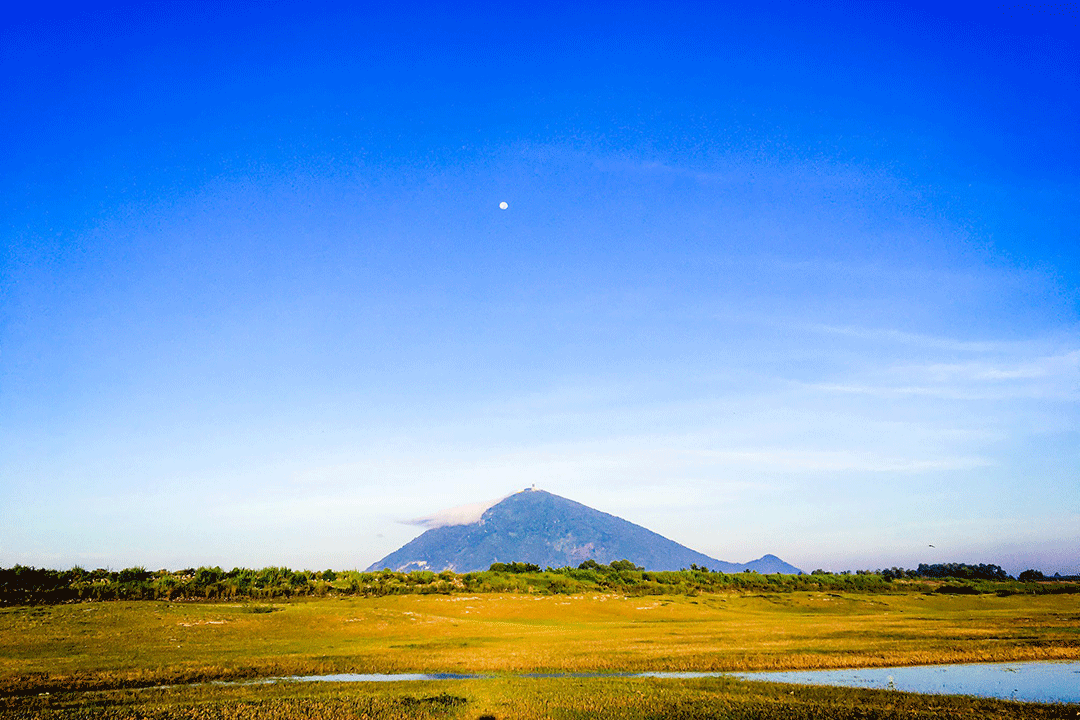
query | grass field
[518, 698]
[130, 644]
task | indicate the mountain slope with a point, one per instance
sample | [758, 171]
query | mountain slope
[548, 530]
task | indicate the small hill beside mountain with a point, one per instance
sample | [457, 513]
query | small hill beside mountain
[538, 527]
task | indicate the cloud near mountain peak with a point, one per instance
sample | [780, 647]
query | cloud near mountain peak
[459, 515]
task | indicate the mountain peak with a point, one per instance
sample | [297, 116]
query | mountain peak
[548, 530]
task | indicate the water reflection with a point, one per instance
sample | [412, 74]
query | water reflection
[378, 677]
[1029, 681]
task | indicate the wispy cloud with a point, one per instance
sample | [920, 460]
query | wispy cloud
[807, 460]
[1050, 377]
[890, 335]
[460, 515]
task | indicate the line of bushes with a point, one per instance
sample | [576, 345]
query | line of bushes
[21, 585]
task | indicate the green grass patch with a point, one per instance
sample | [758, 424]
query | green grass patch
[139, 643]
[522, 699]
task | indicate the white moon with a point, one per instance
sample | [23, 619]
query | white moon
[503, 205]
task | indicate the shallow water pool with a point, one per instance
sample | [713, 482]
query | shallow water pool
[1029, 681]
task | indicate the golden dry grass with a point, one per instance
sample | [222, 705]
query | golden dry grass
[147, 642]
[521, 699]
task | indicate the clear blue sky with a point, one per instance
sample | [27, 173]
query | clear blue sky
[800, 279]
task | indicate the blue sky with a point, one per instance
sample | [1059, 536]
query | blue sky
[799, 280]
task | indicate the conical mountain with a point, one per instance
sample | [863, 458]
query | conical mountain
[538, 527]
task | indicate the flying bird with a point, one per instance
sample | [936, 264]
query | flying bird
[931, 546]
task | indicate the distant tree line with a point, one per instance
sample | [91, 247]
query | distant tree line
[960, 571]
[514, 567]
[21, 585]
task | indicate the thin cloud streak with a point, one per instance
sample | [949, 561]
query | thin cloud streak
[889, 335]
[1052, 377]
[814, 461]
